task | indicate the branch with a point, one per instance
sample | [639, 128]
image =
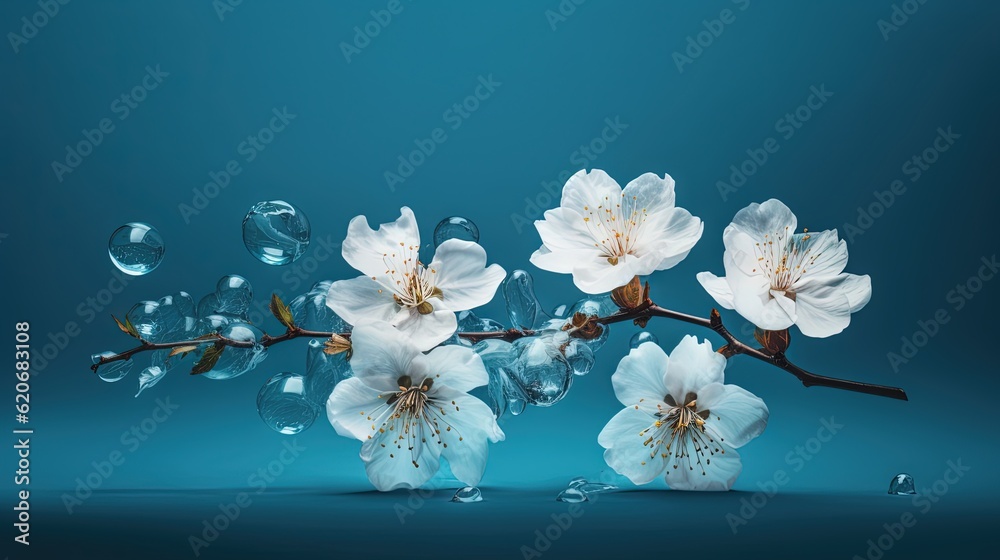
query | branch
[639, 315]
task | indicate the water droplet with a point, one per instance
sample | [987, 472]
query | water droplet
[468, 495]
[571, 496]
[136, 248]
[324, 371]
[455, 227]
[642, 337]
[577, 482]
[213, 323]
[149, 377]
[283, 405]
[311, 312]
[113, 371]
[541, 372]
[902, 485]
[234, 294]
[591, 488]
[498, 356]
[580, 357]
[236, 361]
[523, 308]
[276, 232]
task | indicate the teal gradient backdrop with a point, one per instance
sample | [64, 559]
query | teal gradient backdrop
[690, 89]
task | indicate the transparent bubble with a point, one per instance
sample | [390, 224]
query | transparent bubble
[236, 361]
[136, 248]
[283, 405]
[580, 357]
[642, 337]
[114, 371]
[213, 323]
[149, 377]
[902, 485]
[455, 227]
[467, 495]
[571, 496]
[324, 371]
[541, 372]
[499, 357]
[234, 294]
[276, 232]
[311, 312]
[523, 308]
[577, 482]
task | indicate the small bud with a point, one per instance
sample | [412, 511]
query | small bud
[774, 342]
[584, 326]
[630, 295]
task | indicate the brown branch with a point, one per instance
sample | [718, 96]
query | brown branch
[640, 314]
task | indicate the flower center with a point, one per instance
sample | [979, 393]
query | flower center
[615, 225]
[412, 416]
[785, 258]
[412, 283]
[679, 434]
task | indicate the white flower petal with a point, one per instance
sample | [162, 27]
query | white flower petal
[564, 229]
[382, 354]
[670, 240]
[461, 273]
[650, 193]
[767, 218]
[718, 288]
[639, 378]
[350, 406]
[393, 463]
[426, 331]
[457, 367]
[597, 276]
[465, 428]
[692, 366]
[365, 249]
[624, 439]
[828, 254]
[824, 306]
[721, 471]
[590, 190]
[752, 299]
[562, 261]
[736, 415]
[361, 300]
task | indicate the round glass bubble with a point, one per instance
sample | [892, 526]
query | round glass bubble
[236, 361]
[136, 248]
[113, 371]
[283, 405]
[234, 294]
[276, 232]
[455, 227]
[642, 337]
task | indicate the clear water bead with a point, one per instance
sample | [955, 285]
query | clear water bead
[276, 232]
[577, 482]
[902, 485]
[113, 371]
[455, 227]
[234, 294]
[642, 337]
[468, 495]
[283, 405]
[235, 360]
[523, 308]
[571, 496]
[136, 248]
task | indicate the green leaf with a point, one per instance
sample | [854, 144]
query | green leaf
[127, 327]
[208, 359]
[282, 312]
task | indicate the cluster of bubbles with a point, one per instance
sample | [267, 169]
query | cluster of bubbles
[538, 370]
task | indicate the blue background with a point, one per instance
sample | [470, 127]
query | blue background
[559, 80]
